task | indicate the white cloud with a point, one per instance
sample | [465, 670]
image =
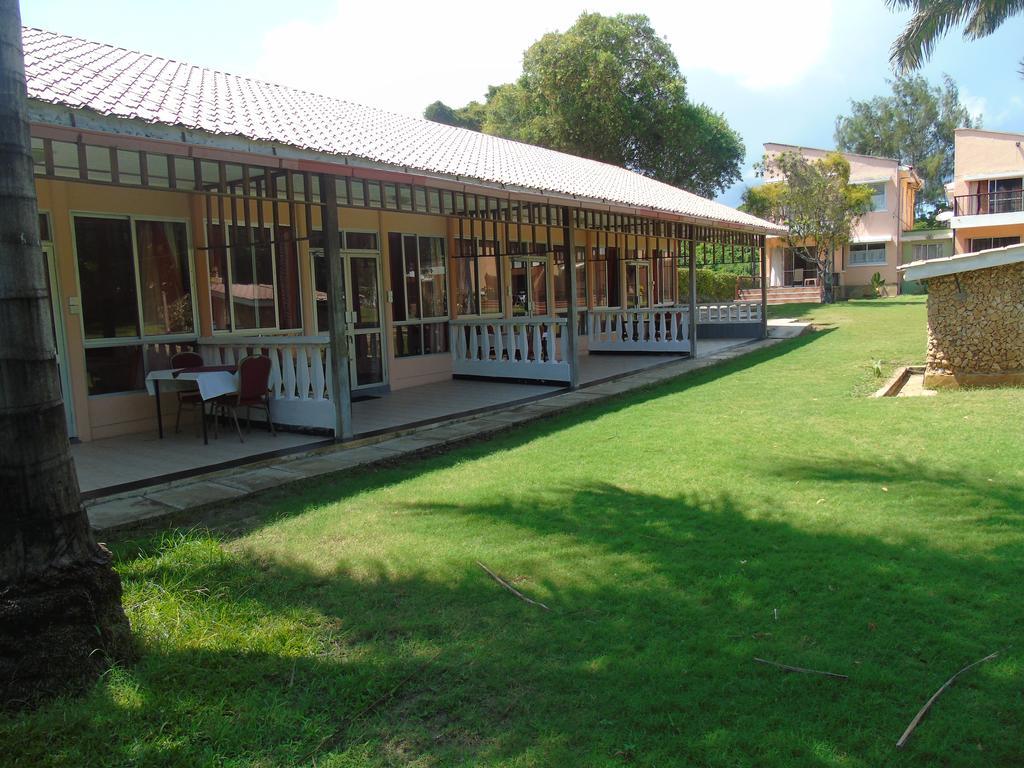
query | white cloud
[761, 45]
[998, 113]
[404, 55]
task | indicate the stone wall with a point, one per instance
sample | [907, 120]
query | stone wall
[976, 331]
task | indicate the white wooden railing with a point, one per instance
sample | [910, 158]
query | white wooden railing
[300, 372]
[523, 348]
[655, 329]
[729, 312]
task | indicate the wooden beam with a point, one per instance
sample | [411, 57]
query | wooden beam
[692, 246]
[572, 315]
[341, 391]
[764, 286]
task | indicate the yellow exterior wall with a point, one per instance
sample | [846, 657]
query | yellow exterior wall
[108, 415]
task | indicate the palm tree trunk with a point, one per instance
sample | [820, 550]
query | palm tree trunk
[60, 599]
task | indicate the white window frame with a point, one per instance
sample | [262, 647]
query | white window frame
[419, 321]
[867, 248]
[502, 288]
[142, 340]
[880, 189]
[234, 330]
[926, 248]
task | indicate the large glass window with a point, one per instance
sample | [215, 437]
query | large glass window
[106, 275]
[419, 298]
[348, 241]
[863, 254]
[164, 277]
[877, 195]
[477, 278]
[925, 251]
[985, 243]
[254, 278]
[599, 266]
[664, 277]
[130, 291]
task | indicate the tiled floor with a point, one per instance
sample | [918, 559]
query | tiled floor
[141, 458]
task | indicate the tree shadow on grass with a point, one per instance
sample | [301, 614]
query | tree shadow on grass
[658, 606]
[941, 492]
[239, 518]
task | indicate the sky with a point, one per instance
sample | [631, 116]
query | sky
[779, 72]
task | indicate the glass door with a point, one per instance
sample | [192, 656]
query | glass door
[638, 284]
[530, 287]
[366, 332]
[58, 337]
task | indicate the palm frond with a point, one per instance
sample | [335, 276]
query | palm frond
[989, 15]
[931, 21]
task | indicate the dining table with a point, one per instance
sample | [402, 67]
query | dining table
[210, 380]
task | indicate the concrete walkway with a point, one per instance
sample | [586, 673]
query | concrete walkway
[148, 504]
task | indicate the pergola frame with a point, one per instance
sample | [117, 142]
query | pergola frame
[236, 190]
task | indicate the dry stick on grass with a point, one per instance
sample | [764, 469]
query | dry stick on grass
[510, 588]
[928, 704]
[801, 669]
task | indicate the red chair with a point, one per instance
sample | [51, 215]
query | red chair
[253, 392]
[187, 397]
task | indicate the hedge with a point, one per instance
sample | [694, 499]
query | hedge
[712, 285]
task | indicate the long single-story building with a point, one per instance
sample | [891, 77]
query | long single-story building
[183, 208]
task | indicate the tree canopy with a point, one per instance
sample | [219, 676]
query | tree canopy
[610, 89]
[932, 19]
[815, 201]
[915, 124]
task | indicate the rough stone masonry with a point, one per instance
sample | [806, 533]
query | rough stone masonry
[976, 328]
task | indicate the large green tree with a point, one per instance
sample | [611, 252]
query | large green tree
[60, 600]
[816, 203]
[914, 123]
[610, 89]
[932, 19]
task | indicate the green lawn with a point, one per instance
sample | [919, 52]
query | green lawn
[762, 508]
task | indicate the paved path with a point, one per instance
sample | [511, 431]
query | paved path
[151, 503]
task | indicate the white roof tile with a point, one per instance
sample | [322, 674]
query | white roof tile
[125, 84]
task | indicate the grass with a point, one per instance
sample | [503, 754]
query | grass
[761, 508]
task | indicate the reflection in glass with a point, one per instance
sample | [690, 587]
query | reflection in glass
[164, 277]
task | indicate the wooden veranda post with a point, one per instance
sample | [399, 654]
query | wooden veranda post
[572, 315]
[341, 391]
[764, 285]
[692, 248]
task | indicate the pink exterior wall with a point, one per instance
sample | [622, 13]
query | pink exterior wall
[878, 226]
[982, 155]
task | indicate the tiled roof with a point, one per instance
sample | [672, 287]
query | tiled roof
[112, 81]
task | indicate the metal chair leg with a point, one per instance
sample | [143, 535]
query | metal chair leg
[177, 419]
[270, 423]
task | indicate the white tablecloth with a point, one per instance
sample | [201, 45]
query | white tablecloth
[211, 383]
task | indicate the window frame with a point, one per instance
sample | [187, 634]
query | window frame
[992, 242]
[277, 330]
[502, 288]
[422, 320]
[879, 188]
[142, 340]
[926, 245]
[867, 247]
[342, 250]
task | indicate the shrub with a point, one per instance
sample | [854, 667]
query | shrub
[712, 285]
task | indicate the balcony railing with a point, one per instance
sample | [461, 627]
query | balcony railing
[1007, 201]
[658, 329]
[524, 348]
